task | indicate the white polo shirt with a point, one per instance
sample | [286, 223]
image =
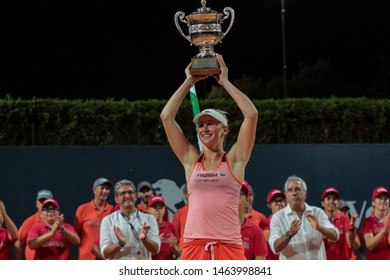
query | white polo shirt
[134, 249]
[308, 243]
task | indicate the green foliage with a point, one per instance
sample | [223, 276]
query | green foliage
[57, 122]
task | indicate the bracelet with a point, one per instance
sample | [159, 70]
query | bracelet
[187, 80]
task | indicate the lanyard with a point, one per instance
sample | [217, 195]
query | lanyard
[131, 225]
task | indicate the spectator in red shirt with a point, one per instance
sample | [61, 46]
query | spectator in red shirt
[344, 209]
[52, 238]
[22, 251]
[170, 248]
[376, 227]
[253, 240]
[341, 249]
[8, 235]
[276, 200]
[252, 215]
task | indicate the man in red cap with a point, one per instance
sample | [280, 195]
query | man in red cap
[253, 216]
[342, 249]
[253, 240]
[276, 200]
[52, 238]
[375, 228]
[22, 251]
[169, 236]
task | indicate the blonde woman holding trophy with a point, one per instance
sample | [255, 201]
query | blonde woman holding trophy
[215, 176]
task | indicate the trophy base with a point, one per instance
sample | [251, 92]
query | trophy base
[204, 66]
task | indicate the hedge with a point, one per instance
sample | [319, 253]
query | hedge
[55, 122]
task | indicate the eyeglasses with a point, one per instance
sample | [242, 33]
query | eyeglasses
[50, 210]
[126, 192]
[276, 201]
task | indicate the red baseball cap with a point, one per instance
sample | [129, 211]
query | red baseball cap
[50, 201]
[274, 193]
[246, 186]
[378, 191]
[329, 191]
[154, 199]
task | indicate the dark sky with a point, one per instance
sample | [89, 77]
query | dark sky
[131, 49]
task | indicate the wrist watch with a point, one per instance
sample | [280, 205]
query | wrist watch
[288, 235]
[121, 245]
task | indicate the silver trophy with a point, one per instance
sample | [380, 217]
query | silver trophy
[205, 31]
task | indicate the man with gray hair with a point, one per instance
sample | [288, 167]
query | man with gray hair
[297, 231]
[128, 234]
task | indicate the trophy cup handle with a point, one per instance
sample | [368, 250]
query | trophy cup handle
[181, 15]
[228, 11]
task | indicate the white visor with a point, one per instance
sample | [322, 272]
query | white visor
[214, 113]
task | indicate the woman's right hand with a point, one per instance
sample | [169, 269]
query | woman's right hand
[192, 79]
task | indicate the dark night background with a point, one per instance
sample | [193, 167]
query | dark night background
[131, 49]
